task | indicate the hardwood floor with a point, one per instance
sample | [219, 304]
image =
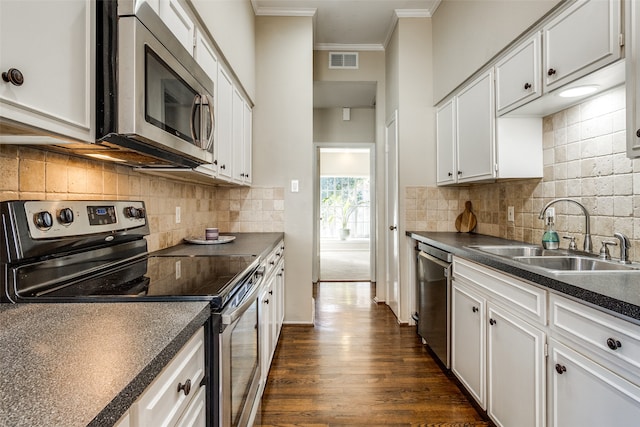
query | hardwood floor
[358, 367]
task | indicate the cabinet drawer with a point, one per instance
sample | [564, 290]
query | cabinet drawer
[196, 413]
[522, 298]
[597, 332]
[162, 403]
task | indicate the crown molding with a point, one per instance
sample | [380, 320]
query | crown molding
[282, 11]
[337, 47]
[407, 13]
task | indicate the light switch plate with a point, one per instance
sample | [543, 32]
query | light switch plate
[294, 186]
[511, 216]
[178, 216]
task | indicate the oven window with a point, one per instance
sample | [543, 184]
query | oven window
[168, 99]
[244, 360]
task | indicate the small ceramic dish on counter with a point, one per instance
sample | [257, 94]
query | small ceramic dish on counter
[203, 241]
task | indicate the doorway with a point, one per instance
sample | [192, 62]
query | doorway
[345, 212]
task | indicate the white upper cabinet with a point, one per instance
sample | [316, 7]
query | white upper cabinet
[632, 39]
[518, 77]
[46, 60]
[475, 136]
[206, 57]
[247, 145]
[446, 140]
[580, 40]
[238, 136]
[179, 22]
[224, 126]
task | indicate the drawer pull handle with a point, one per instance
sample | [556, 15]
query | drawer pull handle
[613, 344]
[474, 309]
[560, 369]
[186, 387]
[492, 322]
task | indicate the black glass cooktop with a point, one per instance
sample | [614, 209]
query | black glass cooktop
[212, 278]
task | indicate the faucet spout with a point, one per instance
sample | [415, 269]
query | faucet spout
[588, 244]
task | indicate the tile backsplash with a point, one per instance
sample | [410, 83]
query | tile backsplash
[584, 155]
[28, 173]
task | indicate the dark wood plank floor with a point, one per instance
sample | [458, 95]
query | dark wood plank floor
[358, 367]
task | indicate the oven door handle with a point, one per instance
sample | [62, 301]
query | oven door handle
[231, 314]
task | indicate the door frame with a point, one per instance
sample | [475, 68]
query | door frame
[316, 203]
[392, 238]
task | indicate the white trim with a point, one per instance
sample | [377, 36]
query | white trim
[283, 11]
[413, 13]
[349, 47]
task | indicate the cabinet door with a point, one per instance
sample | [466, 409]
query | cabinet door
[247, 143]
[224, 125]
[467, 340]
[583, 393]
[238, 136]
[56, 92]
[518, 76]
[196, 414]
[632, 39]
[446, 140]
[280, 296]
[265, 318]
[516, 374]
[179, 22]
[596, 25]
[475, 118]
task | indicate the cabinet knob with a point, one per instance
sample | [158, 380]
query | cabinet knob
[492, 322]
[459, 173]
[393, 227]
[186, 387]
[551, 72]
[266, 301]
[223, 167]
[215, 162]
[613, 344]
[474, 309]
[560, 369]
[13, 76]
[527, 86]
[450, 174]
[638, 133]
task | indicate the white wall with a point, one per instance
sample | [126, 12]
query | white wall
[283, 143]
[344, 163]
[468, 33]
[409, 89]
[328, 125]
[232, 26]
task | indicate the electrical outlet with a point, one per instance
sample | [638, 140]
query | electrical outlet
[178, 216]
[511, 215]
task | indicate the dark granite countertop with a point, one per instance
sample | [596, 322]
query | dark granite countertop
[244, 244]
[81, 364]
[85, 364]
[614, 292]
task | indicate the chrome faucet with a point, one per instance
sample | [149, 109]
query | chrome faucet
[624, 247]
[587, 245]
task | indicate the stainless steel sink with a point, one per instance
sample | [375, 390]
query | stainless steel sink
[555, 261]
[511, 251]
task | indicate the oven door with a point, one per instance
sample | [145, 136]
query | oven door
[160, 101]
[239, 361]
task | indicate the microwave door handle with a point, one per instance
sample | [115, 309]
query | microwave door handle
[194, 107]
[213, 122]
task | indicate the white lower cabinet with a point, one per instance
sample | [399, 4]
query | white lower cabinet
[594, 367]
[175, 397]
[516, 370]
[498, 352]
[468, 340]
[583, 393]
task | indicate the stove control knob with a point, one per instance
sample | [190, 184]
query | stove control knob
[133, 212]
[43, 220]
[65, 216]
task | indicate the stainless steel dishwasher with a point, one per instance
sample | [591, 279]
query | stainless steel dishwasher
[433, 300]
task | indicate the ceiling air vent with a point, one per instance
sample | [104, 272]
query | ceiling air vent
[345, 60]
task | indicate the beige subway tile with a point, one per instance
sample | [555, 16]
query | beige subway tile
[31, 175]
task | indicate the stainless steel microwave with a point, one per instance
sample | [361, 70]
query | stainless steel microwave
[152, 98]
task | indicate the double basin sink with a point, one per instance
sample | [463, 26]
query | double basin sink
[556, 261]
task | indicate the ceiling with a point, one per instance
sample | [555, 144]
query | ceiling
[354, 25]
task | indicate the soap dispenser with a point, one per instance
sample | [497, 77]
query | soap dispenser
[550, 238]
